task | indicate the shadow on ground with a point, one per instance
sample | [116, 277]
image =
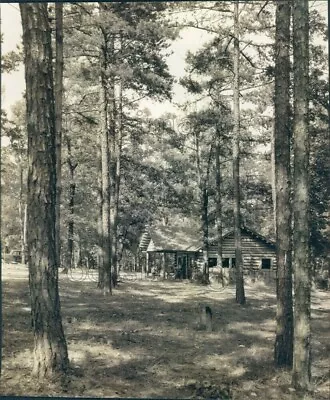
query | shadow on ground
[145, 341]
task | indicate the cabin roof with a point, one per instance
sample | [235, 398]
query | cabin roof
[184, 238]
[252, 233]
[171, 238]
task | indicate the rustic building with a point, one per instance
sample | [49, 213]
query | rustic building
[170, 249]
[258, 252]
[178, 251]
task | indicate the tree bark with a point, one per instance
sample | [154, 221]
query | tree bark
[58, 120]
[240, 293]
[105, 163]
[101, 277]
[282, 136]
[273, 177]
[218, 200]
[22, 214]
[50, 348]
[301, 376]
[117, 179]
[72, 191]
[203, 199]
[24, 259]
[205, 225]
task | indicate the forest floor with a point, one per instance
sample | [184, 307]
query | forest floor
[145, 341]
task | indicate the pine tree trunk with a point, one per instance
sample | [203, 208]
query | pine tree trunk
[58, 120]
[117, 178]
[301, 261]
[205, 225]
[50, 348]
[105, 165]
[240, 293]
[284, 314]
[272, 150]
[218, 202]
[72, 191]
[203, 199]
[22, 214]
[24, 259]
[101, 277]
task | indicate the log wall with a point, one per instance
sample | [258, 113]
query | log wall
[253, 251]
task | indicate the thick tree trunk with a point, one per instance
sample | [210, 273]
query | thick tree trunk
[240, 293]
[106, 241]
[284, 314]
[50, 349]
[58, 120]
[105, 165]
[301, 261]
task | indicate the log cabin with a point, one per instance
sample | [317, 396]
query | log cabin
[177, 251]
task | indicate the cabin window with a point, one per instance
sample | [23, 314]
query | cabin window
[266, 263]
[225, 263]
[228, 262]
[213, 262]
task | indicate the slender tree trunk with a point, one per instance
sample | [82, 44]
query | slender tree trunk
[72, 191]
[136, 261]
[101, 276]
[205, 218]
[50, 348]
[218, 201]
[58, 120]
[203, 199]
[24, 260]
[273, 177]
[105, 162]
[205, 225]
[301, 261]
[22, 214]
[117, 178]
[282, 135]
[78, 257]
[240, 293]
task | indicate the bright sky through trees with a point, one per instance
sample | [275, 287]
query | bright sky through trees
[190, 39]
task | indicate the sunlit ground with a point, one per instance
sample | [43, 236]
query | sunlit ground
[145, 341]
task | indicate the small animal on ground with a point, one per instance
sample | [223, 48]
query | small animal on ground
[206, 318]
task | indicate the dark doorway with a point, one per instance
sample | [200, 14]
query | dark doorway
[182, 266]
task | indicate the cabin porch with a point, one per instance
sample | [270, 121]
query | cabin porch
[170, 263]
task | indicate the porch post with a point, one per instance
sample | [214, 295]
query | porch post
[164, 265]
[147, 263]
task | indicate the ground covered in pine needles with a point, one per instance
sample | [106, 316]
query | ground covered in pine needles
[145, 341]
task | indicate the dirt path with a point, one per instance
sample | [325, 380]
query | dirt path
[145, 341]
